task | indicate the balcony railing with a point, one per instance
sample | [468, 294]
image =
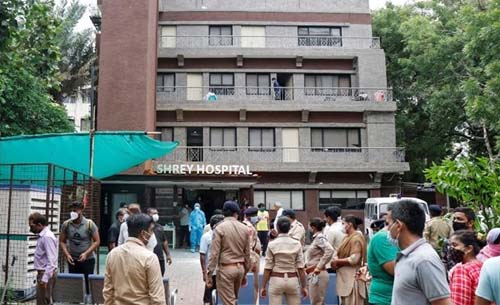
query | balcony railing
[168, 95]
[268, 41]
[258, 154]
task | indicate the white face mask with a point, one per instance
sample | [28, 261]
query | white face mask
[156, 217]
[125, 217]
[73, 215]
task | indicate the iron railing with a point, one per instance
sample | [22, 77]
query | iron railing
[267, 41]
[261, 154]
[168, 94]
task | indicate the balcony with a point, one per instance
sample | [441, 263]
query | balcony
[268, 41]
[191, 98]
[304, 159]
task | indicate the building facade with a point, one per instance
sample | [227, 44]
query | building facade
[282, 100]
[78, 109]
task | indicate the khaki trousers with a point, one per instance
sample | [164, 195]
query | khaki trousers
[44, 295]
[317, 292]
[228, 283]
[288, 286]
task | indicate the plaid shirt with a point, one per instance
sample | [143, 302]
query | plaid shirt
[463, 282]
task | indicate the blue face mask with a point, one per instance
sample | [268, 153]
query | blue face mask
[254, 219]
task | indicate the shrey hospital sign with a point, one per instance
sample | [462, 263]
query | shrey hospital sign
[203, 169]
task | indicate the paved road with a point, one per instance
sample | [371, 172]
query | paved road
[185, 275]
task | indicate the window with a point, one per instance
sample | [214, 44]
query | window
[220, 35]
[320, 36]
[85, 124]
[261, 139]
[327, 84]
[344, 199]
[168, 36]
[326, 139]
[165, 82]
[167, 134]
[222, 83]
[290, 199]
[223, 137]
[258, 84]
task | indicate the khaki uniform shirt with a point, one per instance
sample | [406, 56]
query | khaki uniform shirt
[255, 245]
[133, 276]
[230, 244]
[320, 252]
[436, 229]
[284, 254]
[298, 232]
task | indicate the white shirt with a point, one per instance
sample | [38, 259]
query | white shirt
[124, 236]
[205, 243]
[334, 235]
[278, 215]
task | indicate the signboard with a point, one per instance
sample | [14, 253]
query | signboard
[203, 169]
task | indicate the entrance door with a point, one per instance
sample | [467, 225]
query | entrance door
[120, 199]
[195, 139]
[194, 87]
[290, 138]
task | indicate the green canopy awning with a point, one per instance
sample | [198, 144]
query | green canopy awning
[114, 151]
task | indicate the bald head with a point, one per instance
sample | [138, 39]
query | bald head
[277, 205]
[134, 208]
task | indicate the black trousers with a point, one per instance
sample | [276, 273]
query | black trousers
[162, 267]
[264, 239]
[184, 236]
[207, 295]
[85, 268]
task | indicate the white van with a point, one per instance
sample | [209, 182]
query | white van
[374, 207]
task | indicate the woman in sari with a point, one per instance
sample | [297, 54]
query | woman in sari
[351, 256]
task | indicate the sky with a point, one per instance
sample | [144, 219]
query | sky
[86, 23]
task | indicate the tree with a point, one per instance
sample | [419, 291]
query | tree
[77, 50]
[28, 69]
[445, 82]
[473, 182]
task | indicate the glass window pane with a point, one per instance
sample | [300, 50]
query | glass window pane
[254, 136]
[335, 31]
[303, 31]
[264, 80]
[214, 30]
[226, 30]
[252, 80]
[227, 79]
[310, 81]
[297, 200]
[327, 81]
[215, 136]
[335, 138]
[281, 196]
[268, 137]
[215, 79]
[362, 194]
[324, 194]
[343, 194]
[353, 137]
[344, 81]
[159, 81]
[258, 197]
[316, 138]
[167, 134]
[319, 31]
[230, 137]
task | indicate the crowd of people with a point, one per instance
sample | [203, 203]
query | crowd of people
[408, 260]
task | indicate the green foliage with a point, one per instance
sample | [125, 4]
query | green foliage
[473, 182]
[443, 64]
[28, 69]
[77, 50]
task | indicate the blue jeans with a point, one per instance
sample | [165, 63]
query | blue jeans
[195, 237]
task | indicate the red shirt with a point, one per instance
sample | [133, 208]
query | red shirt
[463, 282]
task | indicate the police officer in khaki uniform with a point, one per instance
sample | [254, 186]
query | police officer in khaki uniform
[284, 268]
[318, 255]
[297, 230]
[251, 220]
[230, 254]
